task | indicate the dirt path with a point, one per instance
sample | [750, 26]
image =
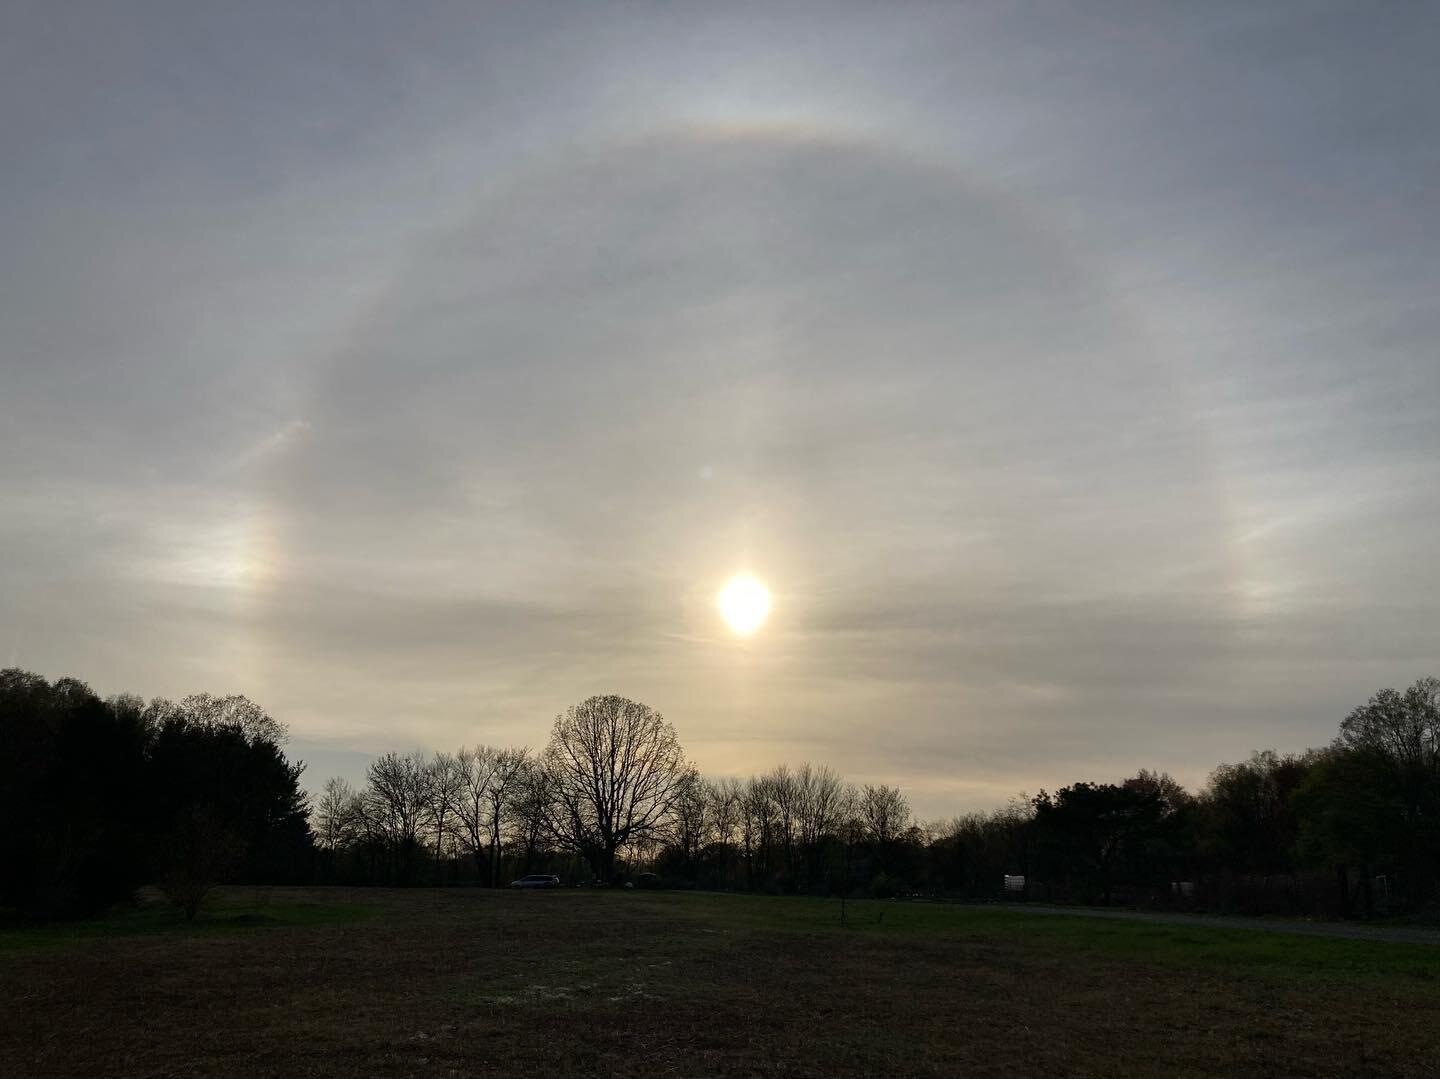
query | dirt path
[1348, 931]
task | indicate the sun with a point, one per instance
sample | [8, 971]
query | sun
[744, 602]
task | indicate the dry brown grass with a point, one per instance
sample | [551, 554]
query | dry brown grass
[474, 982]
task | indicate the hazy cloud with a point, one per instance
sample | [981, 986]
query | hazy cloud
[1070, 378]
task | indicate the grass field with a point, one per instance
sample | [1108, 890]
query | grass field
[377, 982]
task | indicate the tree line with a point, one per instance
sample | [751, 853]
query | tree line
[102, 795]
[98, 797]
[1352, 828]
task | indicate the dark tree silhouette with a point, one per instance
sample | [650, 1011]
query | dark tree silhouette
[1350, 807]
[616, 768]
[885, 815]
[1095, 823]
[530, 812]
[397, 799]
[1404, 728]
[94, 794]
[202, 852]
[1372, 802]
[230, 762]
[98, 797]
[72, 828]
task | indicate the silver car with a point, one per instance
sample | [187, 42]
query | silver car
[537, 880]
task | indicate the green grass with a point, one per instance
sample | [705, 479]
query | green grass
[1236, 950]
[340, 982]
[235, 912]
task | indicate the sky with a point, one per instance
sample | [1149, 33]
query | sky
[1070, 374]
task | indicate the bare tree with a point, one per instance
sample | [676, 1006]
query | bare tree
[370, 832]
[784, 794]
[530, 811]
[820, 791]
[444, 781]
[690, 819]
[886, 814]
[398, 797]
[335, 821]
[504, 788]
[757, 826]
[850, 830]
[1403, 727]
[617, 768]
[472, 802]
[724, 798]
[819, 794]
[233, 711]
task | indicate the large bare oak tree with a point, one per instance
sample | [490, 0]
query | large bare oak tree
[616, 767]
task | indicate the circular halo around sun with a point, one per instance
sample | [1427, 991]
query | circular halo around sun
[744, 602]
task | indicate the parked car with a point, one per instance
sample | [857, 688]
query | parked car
[537, 880]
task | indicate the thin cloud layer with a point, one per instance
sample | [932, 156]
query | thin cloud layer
[1078, 409]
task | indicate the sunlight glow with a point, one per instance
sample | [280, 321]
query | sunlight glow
[744, 602]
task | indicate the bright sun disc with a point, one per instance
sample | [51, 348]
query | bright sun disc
[744, 602]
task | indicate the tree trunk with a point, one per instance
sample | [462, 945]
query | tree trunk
[602, 861]
[495, 854]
